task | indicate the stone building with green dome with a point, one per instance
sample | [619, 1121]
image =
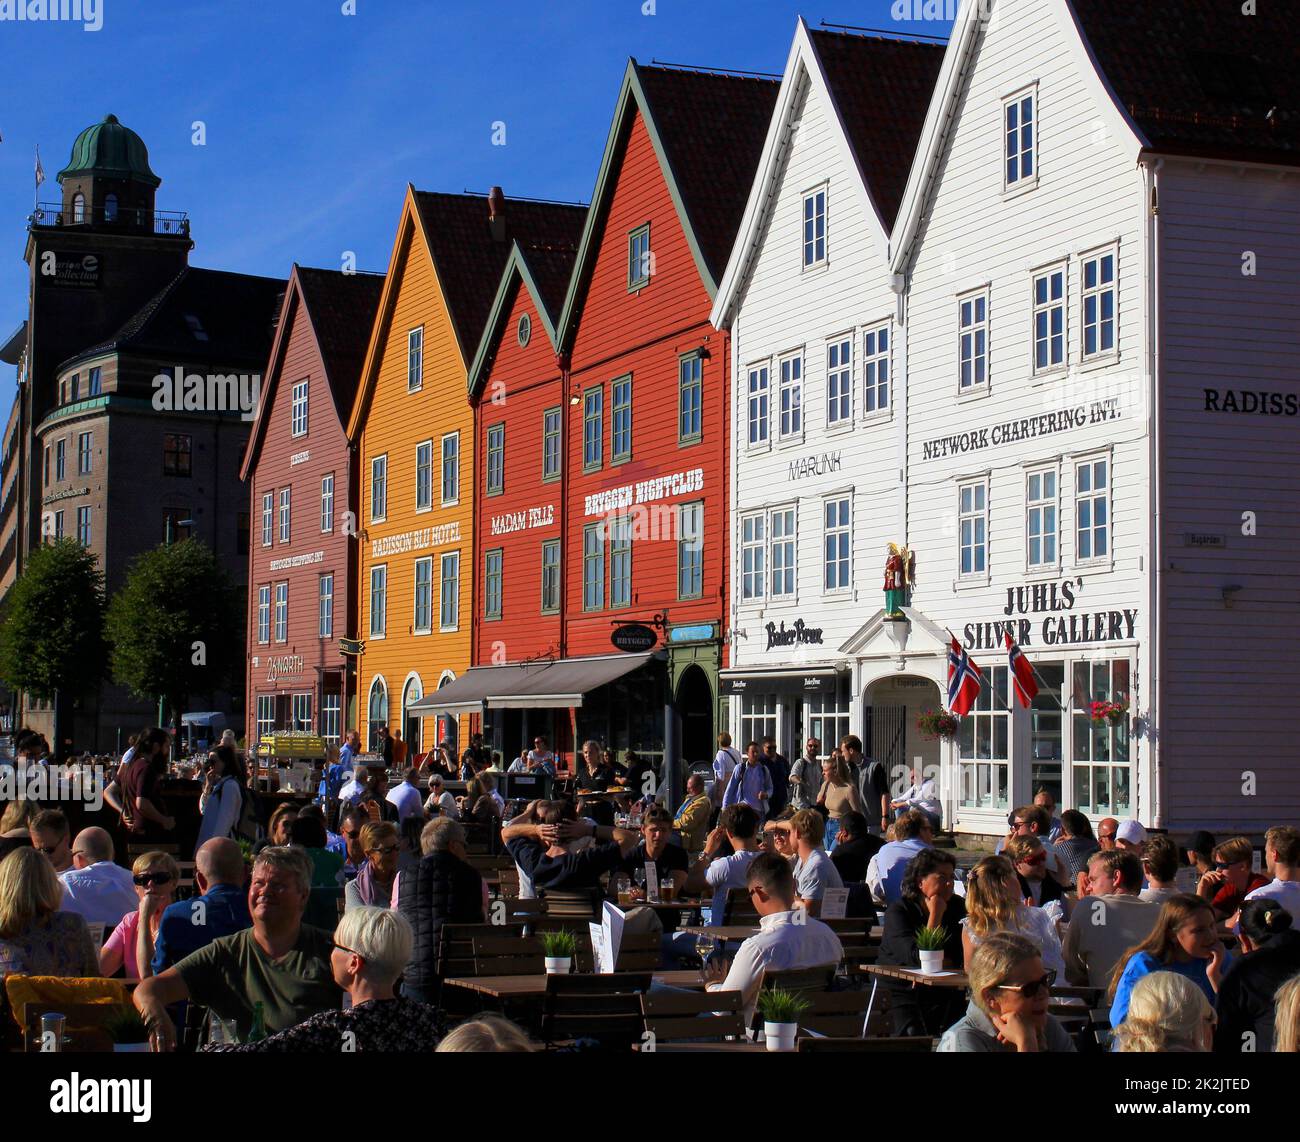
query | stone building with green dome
[114, 303]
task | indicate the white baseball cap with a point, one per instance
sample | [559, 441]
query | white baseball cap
[1131, 831]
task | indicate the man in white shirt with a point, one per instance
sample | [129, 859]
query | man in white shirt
[406, 796]
[724, 763]
[738, 826]
[787, 938]
[95, 887]
[355, 786]
[441, 800]
[1109, 920]
[885, 872]
[1282, 859]
[923, 795]
[814, 872]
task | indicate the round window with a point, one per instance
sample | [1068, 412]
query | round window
[525, 329]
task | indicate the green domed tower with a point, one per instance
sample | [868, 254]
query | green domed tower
[108, 180]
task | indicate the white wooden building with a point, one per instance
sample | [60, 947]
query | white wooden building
[1091, 433]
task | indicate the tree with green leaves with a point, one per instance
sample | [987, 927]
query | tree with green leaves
[175, 625]
[52, 635]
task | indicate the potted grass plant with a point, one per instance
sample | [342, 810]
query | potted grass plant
[930, 944]
[781, 1010]
[558, 948]
[127, 1030]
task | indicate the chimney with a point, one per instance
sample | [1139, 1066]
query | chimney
[497, 213]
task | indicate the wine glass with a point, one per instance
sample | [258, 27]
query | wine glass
[705, 946]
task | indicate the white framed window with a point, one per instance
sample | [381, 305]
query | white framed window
[1020, 130]
[1041, 519]
[839, 382]
[264, 614]
[640, 261]
[377, 704]
[379, 601]
[302, 713]
[875, 369]
[265, 714]
[492, 584]
[415, 360]
[327, 503]
[325, 607]
[973, 525]
[984, 770]
[593, 567]
[1099, 294]
[286, 496]
[791, 397]
[1100, 759]
[783, 563]
[378, 489]
[759, 400]
[331, 717]
[758, 713]
[449, 597]
[690, 399]
[496, 459]
[282, 612]
[85, 453]
[690, 551]
[423, 611]
[620, 562]
[268, 519]
[551, 451]
[620, 420]
[451, 469]
[838, 544]
[753, 558]
[973, 324]
[814, 228]
[424, 476]
[551, 577]
[298, 411]
[593, 428]
[1049, 320]
[1092, 509]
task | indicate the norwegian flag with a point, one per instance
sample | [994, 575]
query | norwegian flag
[1021, 671]
[963, 680]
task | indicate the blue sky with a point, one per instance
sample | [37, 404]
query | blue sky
[316, 120]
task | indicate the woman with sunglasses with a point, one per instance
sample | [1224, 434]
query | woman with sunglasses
[1010, 991]
[156, 876]
[373, 884]
[1227, 884]
[1037, 889]
[1185, 940]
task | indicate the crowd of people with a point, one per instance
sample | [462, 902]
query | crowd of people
[264, 944]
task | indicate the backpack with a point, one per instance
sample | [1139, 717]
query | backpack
[248, 827]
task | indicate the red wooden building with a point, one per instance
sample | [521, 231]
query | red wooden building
[302, 558]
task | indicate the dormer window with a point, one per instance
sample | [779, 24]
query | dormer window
[78, 208]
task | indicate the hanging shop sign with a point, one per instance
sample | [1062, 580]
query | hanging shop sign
[797, 633]
[696, 632]
[792, 683]
[352, 646]
[1061, 624]
[633, 638]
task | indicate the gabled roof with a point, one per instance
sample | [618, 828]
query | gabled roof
[209, 315]
[876, 91]
[341, 311]
[707, 131]
[544, 271]
[469, 256]
[1199, 77]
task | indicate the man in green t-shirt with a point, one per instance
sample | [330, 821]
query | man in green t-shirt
[279, 962]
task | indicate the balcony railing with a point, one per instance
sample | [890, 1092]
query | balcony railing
[48, 214]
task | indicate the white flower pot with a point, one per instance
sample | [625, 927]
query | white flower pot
[932, 962]
[558, 965]
[780, 1036]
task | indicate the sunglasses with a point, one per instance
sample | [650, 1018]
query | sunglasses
[350, 951]
[386, 850]
[1031, 989]
[144, 879]
[1037, 858]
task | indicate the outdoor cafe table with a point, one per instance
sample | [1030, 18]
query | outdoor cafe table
[534, 986]
[946, 979]
[744, 931]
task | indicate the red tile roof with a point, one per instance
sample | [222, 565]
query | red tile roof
[342, 309]
[1199, 77]
[882, 88]
[712, 128]
[470, 258]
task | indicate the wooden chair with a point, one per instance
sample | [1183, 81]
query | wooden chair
[580, 905]
[804, 980]
[1084, 1014]
[518, 955]
[671, 1015]
[455, 956]
[910, 1045]
[606, 1008]
[739, 909]
[635, 953]
[860, 947]
[186, 887]
[836, 1014]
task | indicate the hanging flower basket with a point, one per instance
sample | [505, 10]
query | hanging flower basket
[938, 724]
[1113, 712]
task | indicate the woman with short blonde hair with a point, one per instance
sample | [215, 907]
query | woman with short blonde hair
[17, 817]
[35, 937]
[486, 1033]
[156, 876]
[374, 882]
[1166, 1012]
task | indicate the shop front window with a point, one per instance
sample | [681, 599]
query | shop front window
[1102, 766]
[265, 714]
[984, 748]
[828, 717]
[757, 719]
[1046, 726]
